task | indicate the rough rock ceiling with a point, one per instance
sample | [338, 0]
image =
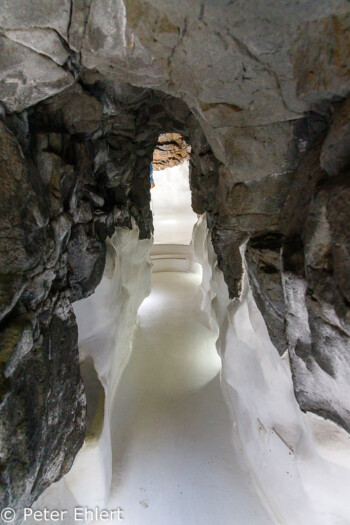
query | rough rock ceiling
[171, 150]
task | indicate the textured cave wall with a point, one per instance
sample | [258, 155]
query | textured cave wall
[42, 399]
[299, 269]
[295, 229]
[261, 95]
[74, 167]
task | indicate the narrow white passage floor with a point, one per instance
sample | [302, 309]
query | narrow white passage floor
[173, 457]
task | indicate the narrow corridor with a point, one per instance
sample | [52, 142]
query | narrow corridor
[173, 457]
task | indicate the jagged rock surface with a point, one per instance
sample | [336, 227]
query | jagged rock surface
[70, 176]
[261, 96]
[171, 150]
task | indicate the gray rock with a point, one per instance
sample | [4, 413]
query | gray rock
[79, 15]
[204, 174]
[11, 288]
[264, 264]
[72, 111]
[268, 168]
[96, 200]
[318, 350]
[24, 215]
[16, 342]
[16, 14]
[84, 273]
[253, 206]
[335, 154]
[227, 245]
[110, 47]
[61, 229]
[327, 247]
[43, 41]
[40, 438]
[321, 59]
[82, 213]
[38, 289]
[27, 77]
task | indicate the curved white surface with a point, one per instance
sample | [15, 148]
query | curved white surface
[173, 457]
[300, 462]
[106, 321]
[163, 447]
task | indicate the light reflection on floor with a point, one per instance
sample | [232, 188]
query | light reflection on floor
[173, 455]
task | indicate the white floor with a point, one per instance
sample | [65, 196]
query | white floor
[174, 462]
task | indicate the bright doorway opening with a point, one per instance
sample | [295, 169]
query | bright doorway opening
[173, 217]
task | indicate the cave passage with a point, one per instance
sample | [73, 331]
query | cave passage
[173, 458]
[172, 438]
[182, 350]
[173, 217]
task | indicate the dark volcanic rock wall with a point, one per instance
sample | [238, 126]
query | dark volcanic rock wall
[299, 271]
[73, 168]
[42, 399]
[295, 229]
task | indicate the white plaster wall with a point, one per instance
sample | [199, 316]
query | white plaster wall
[106, 321]
[299, 463]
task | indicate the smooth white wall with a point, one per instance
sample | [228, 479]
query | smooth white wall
[299, 462]
[106, 321]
